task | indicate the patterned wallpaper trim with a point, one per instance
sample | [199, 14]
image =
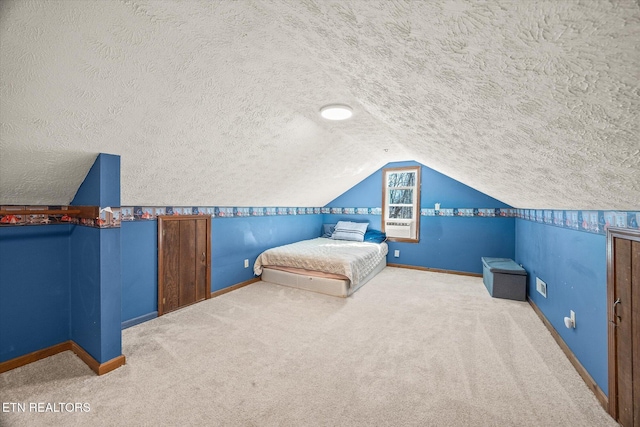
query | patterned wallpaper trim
[105, 220]
[137, 213]
[590, 221]
[596, 222]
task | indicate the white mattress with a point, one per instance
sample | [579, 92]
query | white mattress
[335, 287]
[355, 260]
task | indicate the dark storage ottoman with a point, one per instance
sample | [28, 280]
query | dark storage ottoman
[504, 278]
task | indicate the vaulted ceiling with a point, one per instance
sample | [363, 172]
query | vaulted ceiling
[535, 103]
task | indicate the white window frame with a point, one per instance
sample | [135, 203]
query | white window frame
[397, 229]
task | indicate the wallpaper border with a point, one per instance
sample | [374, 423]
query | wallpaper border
[590, 221]
[104, 220]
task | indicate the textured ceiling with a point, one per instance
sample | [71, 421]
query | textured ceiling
[536, 103]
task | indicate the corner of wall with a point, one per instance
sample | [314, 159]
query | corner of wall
[101, 186]
[96, 272]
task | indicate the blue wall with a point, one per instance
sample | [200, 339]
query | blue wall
[573, 265]
[95, 291]
[235, 239]
[62, 282]
[447, 243]
[96, 279]
[34, 288]
[436, 188]
[85, 289]
[59, 282]
[101, 186]
[457, 244]
[139, 271]
[232, 241]
[110, 294]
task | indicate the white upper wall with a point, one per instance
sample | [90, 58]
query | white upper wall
[535, 103]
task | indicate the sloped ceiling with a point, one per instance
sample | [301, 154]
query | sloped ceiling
[535, 103]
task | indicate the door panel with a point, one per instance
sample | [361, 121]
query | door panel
[171, 263]
[623, 296]
[187, 262]
[635, 300]
[184, 268]
[201, 259]
[624, 337]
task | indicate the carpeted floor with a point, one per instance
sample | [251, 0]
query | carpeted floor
[410, 348]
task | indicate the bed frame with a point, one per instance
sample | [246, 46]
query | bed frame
[328, 286]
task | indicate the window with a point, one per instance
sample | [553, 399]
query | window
[401, 203]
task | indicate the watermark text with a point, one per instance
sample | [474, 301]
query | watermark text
[41, 407]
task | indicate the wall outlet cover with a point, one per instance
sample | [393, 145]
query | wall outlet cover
[541, 287]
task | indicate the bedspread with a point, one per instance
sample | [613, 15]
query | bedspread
[351, 259]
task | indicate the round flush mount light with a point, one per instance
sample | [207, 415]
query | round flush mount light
[336, 112]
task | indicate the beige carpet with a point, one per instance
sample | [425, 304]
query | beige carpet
[410, 348]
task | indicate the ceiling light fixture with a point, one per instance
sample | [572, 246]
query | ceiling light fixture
[336, 112]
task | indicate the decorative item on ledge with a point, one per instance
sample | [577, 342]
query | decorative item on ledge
[90, 216]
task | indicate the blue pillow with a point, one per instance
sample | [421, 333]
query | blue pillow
[327, 230]
[375, 236]
[347, 230]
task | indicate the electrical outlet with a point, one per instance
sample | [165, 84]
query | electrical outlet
[396, 253]
[246, 263]
[573, 317]
[541, 287]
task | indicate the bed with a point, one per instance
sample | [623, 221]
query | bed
[327, 265]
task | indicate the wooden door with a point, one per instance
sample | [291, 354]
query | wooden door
[184, 254]
[623, 296]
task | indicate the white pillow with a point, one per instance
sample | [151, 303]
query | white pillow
[347, 230]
